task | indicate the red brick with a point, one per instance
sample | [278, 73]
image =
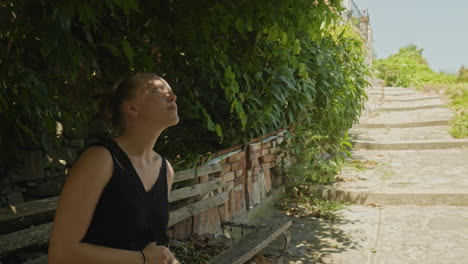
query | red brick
[183, 229]
[255, 154]
[274, 150]
[255, 170]
[252, 163]
[207, 221]
[226, 167]
[225, 211]
[236, 157]
[254, 147]
[267, 159]
[229, 176]
[204, 178]
[266, 173]
[215, 175]
[266, 145]
[228, 186]
[253, 194]
[270, 164]
[238, 201]
[238, 165]
[239, 181]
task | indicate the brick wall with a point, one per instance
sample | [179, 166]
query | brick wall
[248, 177]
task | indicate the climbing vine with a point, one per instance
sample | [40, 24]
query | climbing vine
[240, 69]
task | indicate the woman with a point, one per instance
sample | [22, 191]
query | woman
[114, 204]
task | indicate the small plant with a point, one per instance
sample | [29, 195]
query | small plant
[301, 201]
[462, 74]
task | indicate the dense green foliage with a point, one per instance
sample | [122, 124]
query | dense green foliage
[408, 68]
[240, 68]
[462, 74]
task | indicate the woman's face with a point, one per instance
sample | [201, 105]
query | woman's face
[155, 103]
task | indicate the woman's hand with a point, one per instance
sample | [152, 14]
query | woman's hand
[155, 254]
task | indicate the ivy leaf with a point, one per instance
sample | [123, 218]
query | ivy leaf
[219, 131]
[128, 51]
[249, 25]
[273, 33]
[234, 87]
[239, 24]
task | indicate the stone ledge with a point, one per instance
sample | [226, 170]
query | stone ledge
[440, 122]
[455, 197]
[404, 145]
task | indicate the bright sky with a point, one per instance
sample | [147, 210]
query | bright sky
[439, 27]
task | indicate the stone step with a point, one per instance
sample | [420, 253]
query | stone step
[395, 196]
[416, 144]
[410, 99]
[410, 108]
[393, 93]
[439, 122]
[392, 89]
[407, 116]
[402, 134]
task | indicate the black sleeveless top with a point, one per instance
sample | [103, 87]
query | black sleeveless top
[126, 216]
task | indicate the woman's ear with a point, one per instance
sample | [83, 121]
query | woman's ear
[129, 108]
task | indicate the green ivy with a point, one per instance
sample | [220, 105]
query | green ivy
[240, 69]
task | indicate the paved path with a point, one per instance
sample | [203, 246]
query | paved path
[410, 200]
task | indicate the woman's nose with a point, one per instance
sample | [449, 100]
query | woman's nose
[172, 97]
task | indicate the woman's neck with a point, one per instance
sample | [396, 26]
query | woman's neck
[139, 142]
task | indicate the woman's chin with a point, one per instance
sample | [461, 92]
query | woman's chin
[175, 121]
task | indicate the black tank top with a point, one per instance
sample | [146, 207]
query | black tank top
[126, 216]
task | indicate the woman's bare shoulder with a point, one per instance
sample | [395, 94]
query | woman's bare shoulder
[94, 159]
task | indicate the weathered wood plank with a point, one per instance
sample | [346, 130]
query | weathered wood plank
[195, 208]
[27, 237]
[49, 204]
[196, 189]
[252, 243]
[195, 172]
[27, 209]
[40, 234]
[39, 260]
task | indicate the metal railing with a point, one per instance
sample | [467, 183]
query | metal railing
[355, 11]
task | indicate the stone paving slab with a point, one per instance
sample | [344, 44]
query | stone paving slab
[440, 122]
[410, 144]
[407, 116]
[392, 93]
[410, 98]
[404, 104]
[407, 171]
[402, 134]
[401, 235]
[382, 235]
[402, 107]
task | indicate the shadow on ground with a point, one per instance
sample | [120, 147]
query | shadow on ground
[313, 240]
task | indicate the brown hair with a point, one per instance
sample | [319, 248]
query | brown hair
[125, 90]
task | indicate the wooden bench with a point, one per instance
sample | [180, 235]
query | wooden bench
[252, 243]
[28, 224]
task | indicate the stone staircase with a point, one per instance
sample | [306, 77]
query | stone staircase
[407, 181]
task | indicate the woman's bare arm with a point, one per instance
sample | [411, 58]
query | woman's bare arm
[170, 180]
[76, 205]
[170, 177]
